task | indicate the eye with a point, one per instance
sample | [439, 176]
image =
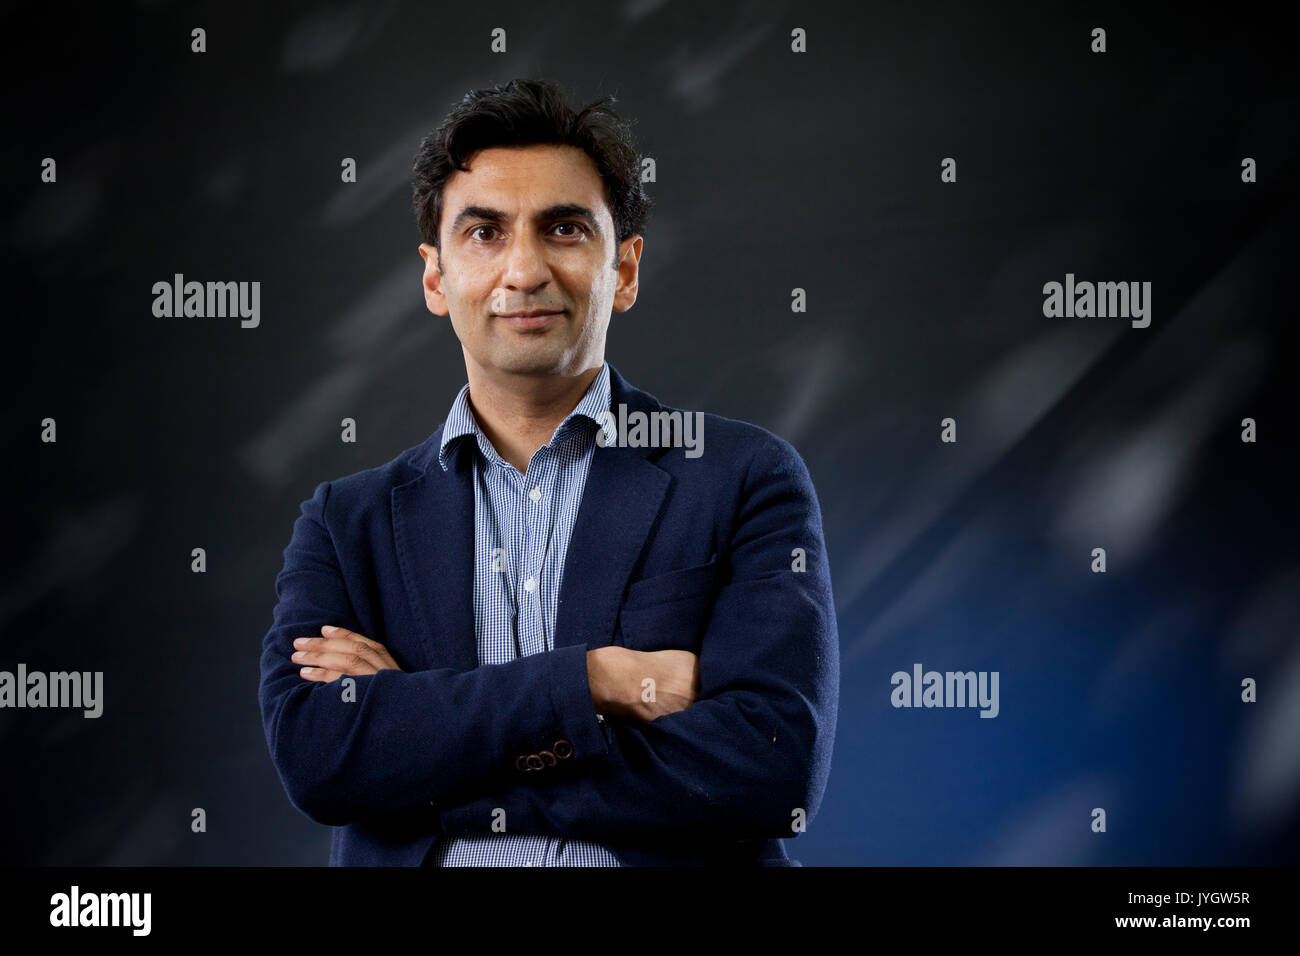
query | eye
[578, 226]
[477, 228]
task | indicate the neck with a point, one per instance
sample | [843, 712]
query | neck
[519, 413]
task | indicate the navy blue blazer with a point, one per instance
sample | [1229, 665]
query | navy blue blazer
[721, 554]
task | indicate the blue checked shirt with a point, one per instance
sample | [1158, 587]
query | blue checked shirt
[522, 526]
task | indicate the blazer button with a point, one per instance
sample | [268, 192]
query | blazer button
[519, 763]
[563, 749]
[548, 757]
[535, 766]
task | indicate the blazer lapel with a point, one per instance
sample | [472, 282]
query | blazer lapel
[433, 528]
[623, 494]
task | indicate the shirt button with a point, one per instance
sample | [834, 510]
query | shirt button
[530, 585]
[535, 494]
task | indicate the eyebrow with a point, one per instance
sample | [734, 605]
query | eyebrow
[565, 210]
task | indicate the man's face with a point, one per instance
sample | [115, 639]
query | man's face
[527, 229]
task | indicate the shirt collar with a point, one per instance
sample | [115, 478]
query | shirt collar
[460, 420]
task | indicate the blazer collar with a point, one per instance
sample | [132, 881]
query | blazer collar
[433, 529]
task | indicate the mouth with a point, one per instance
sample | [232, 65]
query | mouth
[530, 318]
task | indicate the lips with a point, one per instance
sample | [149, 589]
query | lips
[535, 320]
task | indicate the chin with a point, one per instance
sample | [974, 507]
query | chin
[542, 361]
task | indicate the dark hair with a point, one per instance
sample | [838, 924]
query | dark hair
[526, 112]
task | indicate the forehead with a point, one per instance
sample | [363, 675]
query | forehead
[521, 177]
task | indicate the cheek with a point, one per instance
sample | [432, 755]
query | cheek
[584, 287]
[600, 295]
[464, 330]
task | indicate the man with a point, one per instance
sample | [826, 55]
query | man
[542, 636]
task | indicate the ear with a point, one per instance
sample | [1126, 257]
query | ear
[629, 264]
[433, 296]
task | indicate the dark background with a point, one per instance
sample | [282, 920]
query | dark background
[775, 171]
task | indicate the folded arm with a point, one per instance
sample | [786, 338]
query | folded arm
[429, 738]
[751, 757]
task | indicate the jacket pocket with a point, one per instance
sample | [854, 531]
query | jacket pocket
[678, 585]
[669, 611]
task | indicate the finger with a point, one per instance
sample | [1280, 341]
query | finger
[374, 652]
[330, 652]
[354, 661]
[339, 645]
[319, 674]
[329, 630]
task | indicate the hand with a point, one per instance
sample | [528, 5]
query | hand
[341, 653]
[617, 677]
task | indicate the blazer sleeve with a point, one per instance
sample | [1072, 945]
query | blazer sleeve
[751, 757]
[418, 741]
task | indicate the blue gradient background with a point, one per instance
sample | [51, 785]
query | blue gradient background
[818, 171]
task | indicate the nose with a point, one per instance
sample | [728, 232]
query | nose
[526, 268]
